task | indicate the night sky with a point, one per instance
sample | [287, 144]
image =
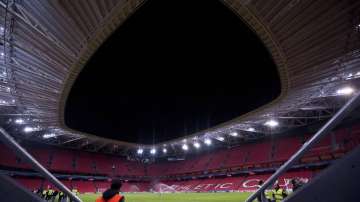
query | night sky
[174, 68]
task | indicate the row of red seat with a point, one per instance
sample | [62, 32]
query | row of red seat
[248, 155]
[67, 161]
[263, 154]
[248, 183]
[84, 186]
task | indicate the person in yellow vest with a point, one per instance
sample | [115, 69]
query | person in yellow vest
[112, 194]
[44, 193]
[268, 196]
[61, 196]
[279, 194]
[49, 194]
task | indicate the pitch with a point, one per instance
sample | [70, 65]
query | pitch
[177, 197]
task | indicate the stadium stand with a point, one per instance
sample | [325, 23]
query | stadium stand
[217, 160]
[285, 148]
[84, 186]
[84, 163]
[258, 153]
[63, 161]
[104, 164]
[8, 158]
[30, 183]
[235, 158]
[244, 157]
[239, 183]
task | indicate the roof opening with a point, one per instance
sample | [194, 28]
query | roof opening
[172, 69]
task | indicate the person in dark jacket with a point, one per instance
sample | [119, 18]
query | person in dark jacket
[296, 183]
[112, 194]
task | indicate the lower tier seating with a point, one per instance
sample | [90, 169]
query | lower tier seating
[242, 183]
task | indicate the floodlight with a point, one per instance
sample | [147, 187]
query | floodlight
[49, 135]
[153, 151]
[140, 151]
[19, 121]
[271, 123]
[220, 138]
[164, 150]
[251, 129]
[207, 141]
[28, 129]
[196, 145]
[345, 91]
[185, 147]
[234, 134]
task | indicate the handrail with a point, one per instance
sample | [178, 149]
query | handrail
[336, 119]
[19, 150]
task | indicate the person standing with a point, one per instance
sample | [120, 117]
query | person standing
[61, 196]
[279, 194]
[296, 184]
[112, 194]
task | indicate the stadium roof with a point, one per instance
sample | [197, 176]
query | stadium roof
[45, 44]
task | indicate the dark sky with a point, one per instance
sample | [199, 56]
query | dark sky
[174, 68]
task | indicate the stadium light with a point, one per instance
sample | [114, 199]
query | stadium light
[234, 134]
[207, 141]
[251, 129]
[197, 145]
[140, 151]
[49, 135]
[271, 123]
[345, 91]
[153, 151]
[19, 121]
[185, 147]
[220, 138]
[164, 150]
[28, 129]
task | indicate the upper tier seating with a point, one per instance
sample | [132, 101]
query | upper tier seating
[104, 164]
[285, 148]
[62, 161]
[8, 157]
[84, 163]
[262, 154]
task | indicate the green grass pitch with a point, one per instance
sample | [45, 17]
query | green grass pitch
[177, 197]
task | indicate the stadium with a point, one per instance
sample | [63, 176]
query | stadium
[298, 143]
